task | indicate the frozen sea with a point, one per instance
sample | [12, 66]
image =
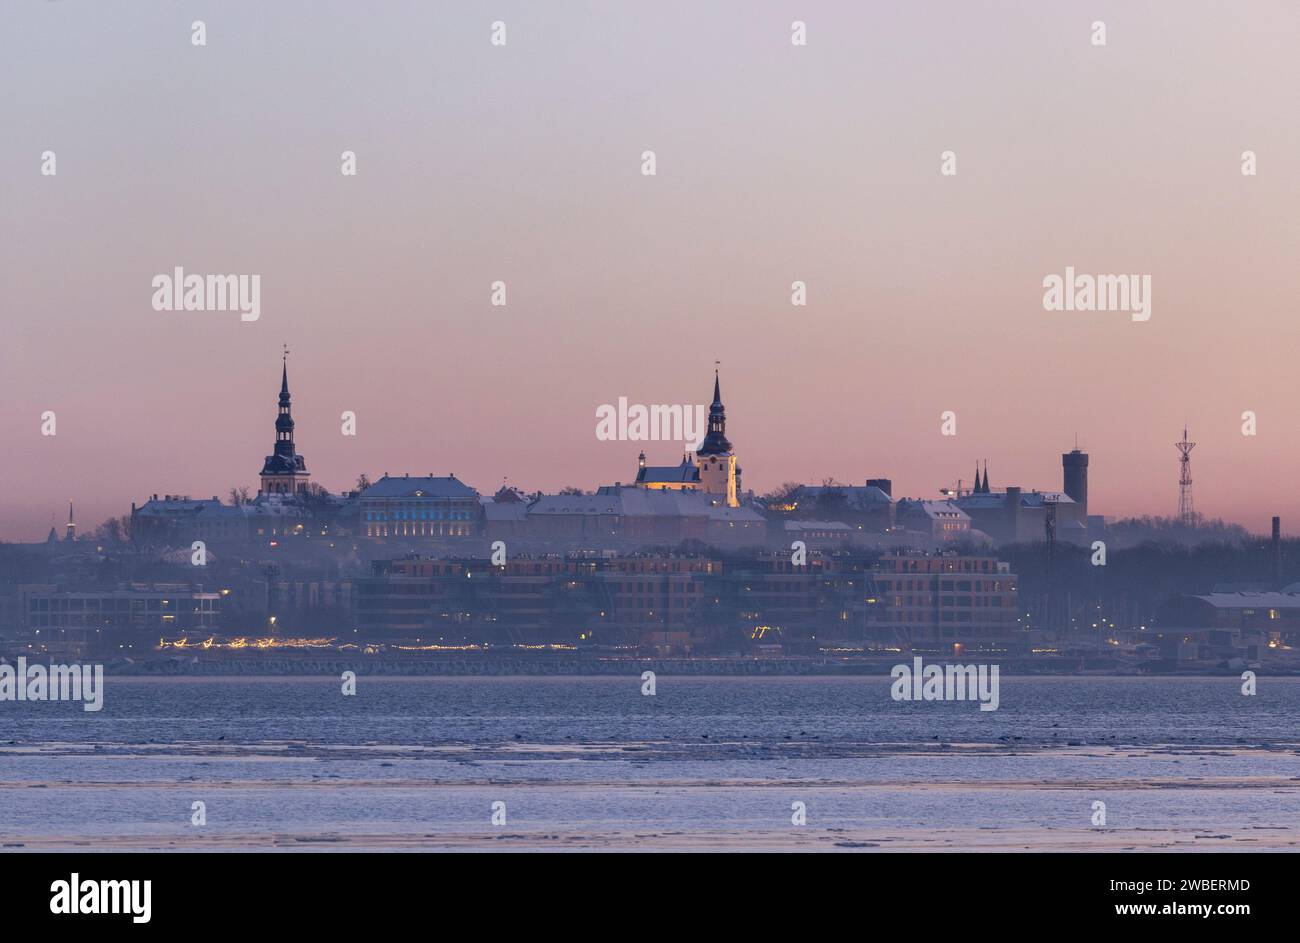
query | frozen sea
[591, 763]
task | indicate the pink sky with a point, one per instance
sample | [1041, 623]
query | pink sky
[775, 163]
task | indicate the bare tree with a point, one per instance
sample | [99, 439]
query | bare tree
[239, 496]
[114, 530]
[778, 498]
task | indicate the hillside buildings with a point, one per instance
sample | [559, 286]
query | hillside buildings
[700, 501]
[1015, 515]
[681, 558]
[418, 508]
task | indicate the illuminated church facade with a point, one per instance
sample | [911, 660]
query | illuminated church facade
[712, 470]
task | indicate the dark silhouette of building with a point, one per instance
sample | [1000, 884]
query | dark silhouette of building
[284, 471]
[1074, 469]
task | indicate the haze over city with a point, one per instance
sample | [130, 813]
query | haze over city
[774, 164]
[712, 427]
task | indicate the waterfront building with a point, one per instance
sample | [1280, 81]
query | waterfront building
[126, 620]
[934, 601]
[548, 600]
[1229, 625]
[700, 603]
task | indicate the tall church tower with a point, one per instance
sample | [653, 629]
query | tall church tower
[284, 471]
[714, 459]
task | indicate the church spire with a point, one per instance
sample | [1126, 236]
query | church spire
[284, 378]
[715, 443]
[715, 463]
[284, 470]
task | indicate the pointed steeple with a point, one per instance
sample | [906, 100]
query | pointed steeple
[976, 489]
[284, 379]
[284, 470]
[986, 477]
[715, 442]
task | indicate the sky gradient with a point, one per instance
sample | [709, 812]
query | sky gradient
[775, 163]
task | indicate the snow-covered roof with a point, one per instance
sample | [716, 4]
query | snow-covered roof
[1252, 600]
[856, 497]
[422, 487]
[643, 502]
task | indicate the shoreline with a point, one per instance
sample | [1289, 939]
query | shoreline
[324, 676]
[551, 666]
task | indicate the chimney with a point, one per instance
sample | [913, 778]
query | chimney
[1277, 553]
[1011, 510]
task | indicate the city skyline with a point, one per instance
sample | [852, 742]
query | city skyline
[925, 292]
[284, 471]
[705, 428]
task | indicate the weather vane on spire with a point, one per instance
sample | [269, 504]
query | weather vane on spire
[286, 352]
